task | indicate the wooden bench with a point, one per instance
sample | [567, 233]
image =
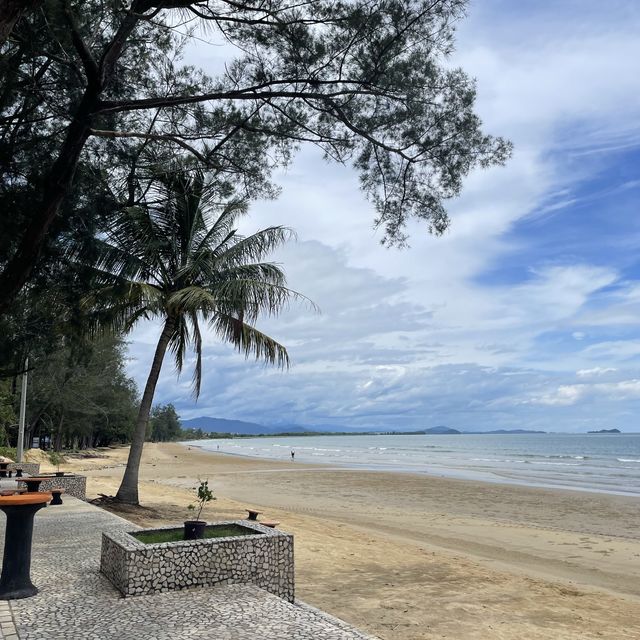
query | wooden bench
[273, 525]
[57, 495]
[253, 515]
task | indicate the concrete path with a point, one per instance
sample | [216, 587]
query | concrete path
[77, 603]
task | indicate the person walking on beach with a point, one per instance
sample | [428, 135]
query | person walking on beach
[293, 455]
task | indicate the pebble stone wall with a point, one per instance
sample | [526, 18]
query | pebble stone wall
[264, 559]
[31, 468]
[75, 485]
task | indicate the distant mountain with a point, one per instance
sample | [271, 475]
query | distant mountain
[606, 431]
[220, 425]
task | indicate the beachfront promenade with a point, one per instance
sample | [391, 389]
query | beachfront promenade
[76, 602]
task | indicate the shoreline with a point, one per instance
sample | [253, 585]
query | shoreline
[416, 557]
[443, 472]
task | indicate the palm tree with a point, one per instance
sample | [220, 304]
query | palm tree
[180, 259]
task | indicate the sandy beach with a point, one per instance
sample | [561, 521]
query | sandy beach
[409, 557]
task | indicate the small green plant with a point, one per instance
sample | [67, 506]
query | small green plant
[56, 459]
[204, 495]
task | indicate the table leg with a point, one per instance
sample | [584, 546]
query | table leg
[15, 582]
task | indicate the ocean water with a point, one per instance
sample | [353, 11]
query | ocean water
[604, 463]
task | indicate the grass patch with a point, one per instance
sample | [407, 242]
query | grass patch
[176, 535]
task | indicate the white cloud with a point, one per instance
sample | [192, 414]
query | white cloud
[596, 371]
[571, 394]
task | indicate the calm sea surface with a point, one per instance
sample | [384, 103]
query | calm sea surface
[609, 463]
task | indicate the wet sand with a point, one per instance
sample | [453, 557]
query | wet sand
[409, 557]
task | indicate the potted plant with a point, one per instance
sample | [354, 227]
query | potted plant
[56, 458]
[194, 529]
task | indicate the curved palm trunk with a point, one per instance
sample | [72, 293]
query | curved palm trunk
[128, 491]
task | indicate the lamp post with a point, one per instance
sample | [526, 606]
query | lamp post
[23, 413]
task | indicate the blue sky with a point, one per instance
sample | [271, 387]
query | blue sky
[524, 314]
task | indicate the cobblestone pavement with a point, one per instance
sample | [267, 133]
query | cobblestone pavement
[77, 603]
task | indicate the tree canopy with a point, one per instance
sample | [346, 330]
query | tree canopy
[97, 90]
[78, 396]
[164, 424]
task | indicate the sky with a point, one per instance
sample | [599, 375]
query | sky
[523, 315]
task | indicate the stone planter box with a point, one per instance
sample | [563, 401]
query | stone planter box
[264, 558]
[73, 485]
[30, 468]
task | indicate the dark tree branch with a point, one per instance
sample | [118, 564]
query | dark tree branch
[150, 136]
[90, 65]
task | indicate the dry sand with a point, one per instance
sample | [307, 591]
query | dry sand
[407, 557]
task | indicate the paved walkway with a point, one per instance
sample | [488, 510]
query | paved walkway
[77, 603]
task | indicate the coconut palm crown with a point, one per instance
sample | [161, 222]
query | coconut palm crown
[179, 258]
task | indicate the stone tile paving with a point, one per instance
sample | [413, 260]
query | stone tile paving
[77, 603]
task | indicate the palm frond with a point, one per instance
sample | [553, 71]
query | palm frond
[255, 298]
[191, 300]
[109, 261]
[248, 340]
[197, 347]
[253, 248]
[179, 342]
[120, 305]
[222, 226]
[135, 234]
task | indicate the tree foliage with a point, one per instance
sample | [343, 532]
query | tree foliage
[98, 88]
[164, 424]
[79, 396]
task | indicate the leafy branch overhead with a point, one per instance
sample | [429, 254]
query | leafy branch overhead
[100, 84]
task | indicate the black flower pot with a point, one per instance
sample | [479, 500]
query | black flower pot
[194, 529]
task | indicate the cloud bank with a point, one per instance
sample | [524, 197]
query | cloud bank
[524, 314]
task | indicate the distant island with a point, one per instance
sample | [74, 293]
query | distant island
[606, 431]
[439, 430]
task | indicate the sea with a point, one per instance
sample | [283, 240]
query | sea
[608, 463]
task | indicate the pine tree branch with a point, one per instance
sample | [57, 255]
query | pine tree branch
[150, 136]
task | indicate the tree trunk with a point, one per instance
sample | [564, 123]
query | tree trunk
[128, 491]
[18, 268]
[58, 443]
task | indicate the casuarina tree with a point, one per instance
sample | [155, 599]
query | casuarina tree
[179, 259]
[92, 83]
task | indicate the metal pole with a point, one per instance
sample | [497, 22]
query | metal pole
[23, 413]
